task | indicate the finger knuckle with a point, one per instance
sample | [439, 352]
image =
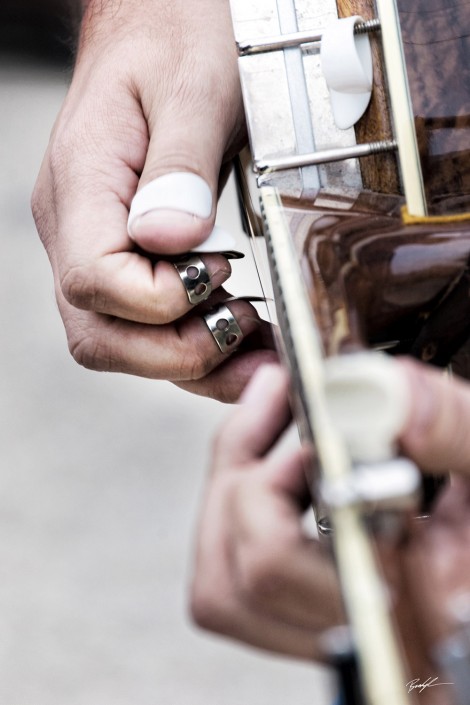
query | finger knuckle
[198, 365]
[42, 208]
[223, 439]
[218, 442]
[80, 289]
[206, 608]
[161, 310]
[91, 352]
[263, 571]
[57, 157]
[36, 205]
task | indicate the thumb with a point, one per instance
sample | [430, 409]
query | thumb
[192, 104]
[174, 208]
[437, 434]
[172, 214]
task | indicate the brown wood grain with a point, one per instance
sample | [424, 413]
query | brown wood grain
[436, 39]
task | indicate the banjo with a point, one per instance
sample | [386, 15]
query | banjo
[358, 114]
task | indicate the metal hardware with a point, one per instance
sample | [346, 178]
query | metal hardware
[324, 156]
[368, 26]
[224, 328]
[392, 484]
[291, 81]
[324, 526]
[295, 39]
[195, 278]
[403, 122]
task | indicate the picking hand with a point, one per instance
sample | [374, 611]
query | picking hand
[155, 92]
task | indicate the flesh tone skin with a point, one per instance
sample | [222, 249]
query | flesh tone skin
[144, 101]
[260, 579]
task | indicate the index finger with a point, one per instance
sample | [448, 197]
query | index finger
[255, 426]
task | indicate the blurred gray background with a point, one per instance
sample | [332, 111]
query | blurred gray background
[98, 495]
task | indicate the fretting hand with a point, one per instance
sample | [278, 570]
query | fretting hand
[259, 579]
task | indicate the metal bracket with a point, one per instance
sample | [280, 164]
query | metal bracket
[263, 45]
[326, 156]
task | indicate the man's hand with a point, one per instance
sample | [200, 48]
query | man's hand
[155, 91]
[259, 579]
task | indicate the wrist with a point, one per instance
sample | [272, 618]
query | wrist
[101, 19]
